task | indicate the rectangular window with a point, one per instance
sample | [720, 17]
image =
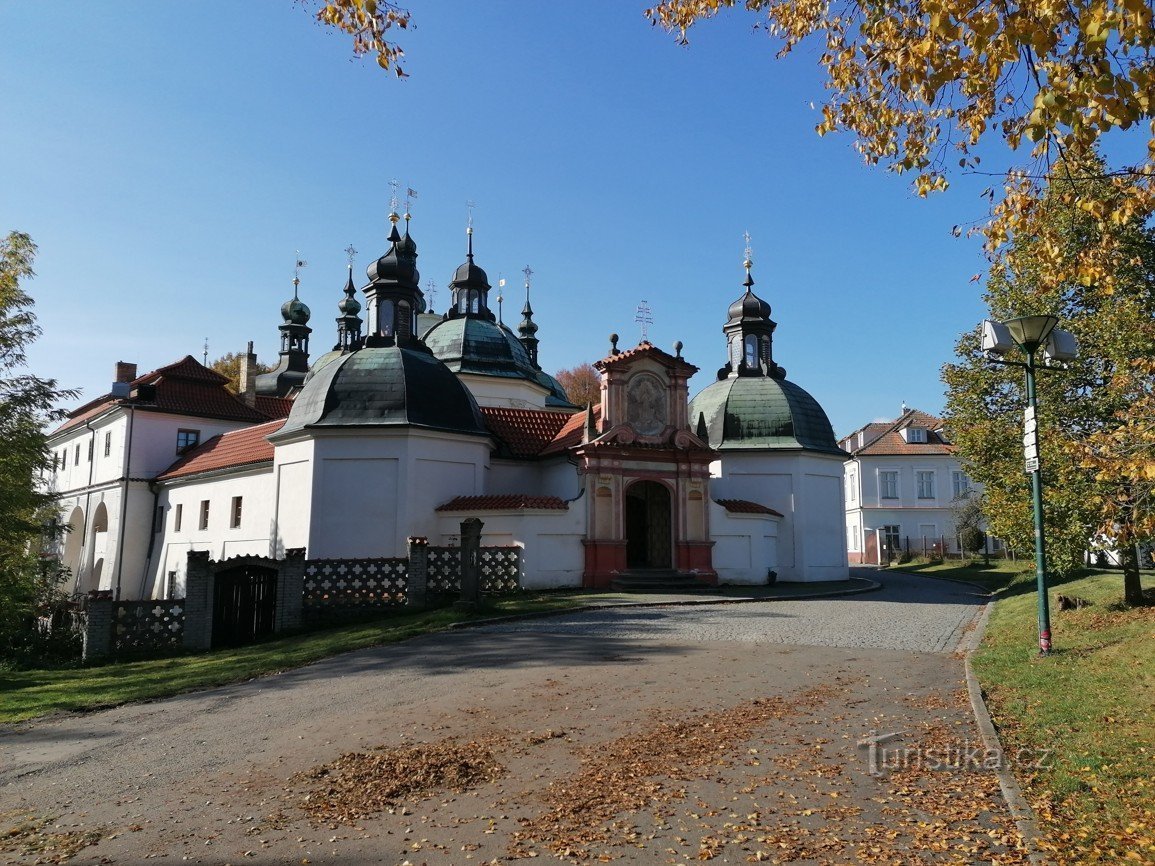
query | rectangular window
[158, 522]
[204, 524]
[925, 485]
[852, 483]
[888, 485]
[235, 517]
[178, 516]
[186, 440]
[170, 590]
[961, 484]
[891, 539]
[107, 443]
[76, 459]
[852, 537]
[90, 445]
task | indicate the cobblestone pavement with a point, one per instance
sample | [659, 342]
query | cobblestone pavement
[908, 613]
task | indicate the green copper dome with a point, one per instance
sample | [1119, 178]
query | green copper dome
[477, 345]
[759, 412]
[385, 386]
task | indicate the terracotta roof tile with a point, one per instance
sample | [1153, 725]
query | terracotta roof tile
[525, 432]
[226, 451]
[185, 387]
[274, 407]
[885, 439]
[503, 502]
[643, 348]
[745, 506]
[571, 434]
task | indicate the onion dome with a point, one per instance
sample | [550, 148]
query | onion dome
[476, 345]
[385, 386]
[349, 305]
[294, 312]
[763, 413]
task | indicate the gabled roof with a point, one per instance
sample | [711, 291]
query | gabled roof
[503, 502]
[524, 432]
[230, 450]
[185, 387]
[885, 439]
[571, 434]
[745, 506]
[646, 349]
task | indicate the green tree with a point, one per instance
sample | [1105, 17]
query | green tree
[229, 365]
[26, 407]
[968, 522]
[1114, 324]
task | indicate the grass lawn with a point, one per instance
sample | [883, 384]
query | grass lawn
[26, 694]
[1092, 702]
[992, 577]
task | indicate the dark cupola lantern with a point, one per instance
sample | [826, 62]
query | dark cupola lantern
[394, 294]
[349, 323]
[750, 334]
[293, 365]
[469, 288]
[527, 330]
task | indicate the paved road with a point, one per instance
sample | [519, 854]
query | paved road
[652, 718]
[908, 613]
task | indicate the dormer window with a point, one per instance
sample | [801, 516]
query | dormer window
[914, 435]
[186, 440]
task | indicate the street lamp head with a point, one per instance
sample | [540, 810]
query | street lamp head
[996, 338]
[1061, 347]
[1031, 332]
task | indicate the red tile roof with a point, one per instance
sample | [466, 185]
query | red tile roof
[885, 440]
[274, 407]
[571, 434]
[525, 432]
[503, 502]
[745, 506]
[227, 451]
[643, 348]
[185, 387]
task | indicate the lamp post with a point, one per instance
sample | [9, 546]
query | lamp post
[1033, 334]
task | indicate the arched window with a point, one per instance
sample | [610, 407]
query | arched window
[751, 351]
[385, 319]
[404, 321]
[474, 296]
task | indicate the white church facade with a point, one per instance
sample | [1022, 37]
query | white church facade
[414, 422]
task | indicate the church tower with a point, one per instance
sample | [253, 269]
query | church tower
[293, 366]
[394, 293]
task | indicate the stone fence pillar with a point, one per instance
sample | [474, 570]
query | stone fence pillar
[198, 601]
[417, 580]
[471, 561]
[290, 590]
[98, 629]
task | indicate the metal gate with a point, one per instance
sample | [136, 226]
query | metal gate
[244, 604]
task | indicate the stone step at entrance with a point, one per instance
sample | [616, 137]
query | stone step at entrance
[663, 580]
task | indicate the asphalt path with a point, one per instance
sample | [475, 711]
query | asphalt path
[774, 695]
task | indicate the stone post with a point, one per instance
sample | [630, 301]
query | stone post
[471, 561]
[98, 629]
[198, 601]
[417, 580]
[290, 590]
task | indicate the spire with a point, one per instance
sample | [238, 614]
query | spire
[528, 327]
[469, 288]
[393, 295]
[749, 330]
[294, 361]
[348, 323]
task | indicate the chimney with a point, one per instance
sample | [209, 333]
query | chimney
[125, 372]
[248, 378]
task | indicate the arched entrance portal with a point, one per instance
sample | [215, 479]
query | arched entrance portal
[649, 540]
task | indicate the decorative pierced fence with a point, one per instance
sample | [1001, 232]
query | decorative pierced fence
[500, 569]
[444, 571]
[345, 587]
[147, 626]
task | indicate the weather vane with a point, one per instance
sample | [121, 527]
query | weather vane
[301, 263]
[351, 253]
[645, 318]
[393, 184]
[410, 194]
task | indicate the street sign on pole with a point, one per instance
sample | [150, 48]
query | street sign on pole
[1032, 464]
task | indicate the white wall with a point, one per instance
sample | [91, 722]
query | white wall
[745, 545]
[508, 392]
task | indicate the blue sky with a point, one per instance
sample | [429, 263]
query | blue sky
[170, 158]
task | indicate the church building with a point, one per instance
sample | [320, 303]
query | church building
[415, 421]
